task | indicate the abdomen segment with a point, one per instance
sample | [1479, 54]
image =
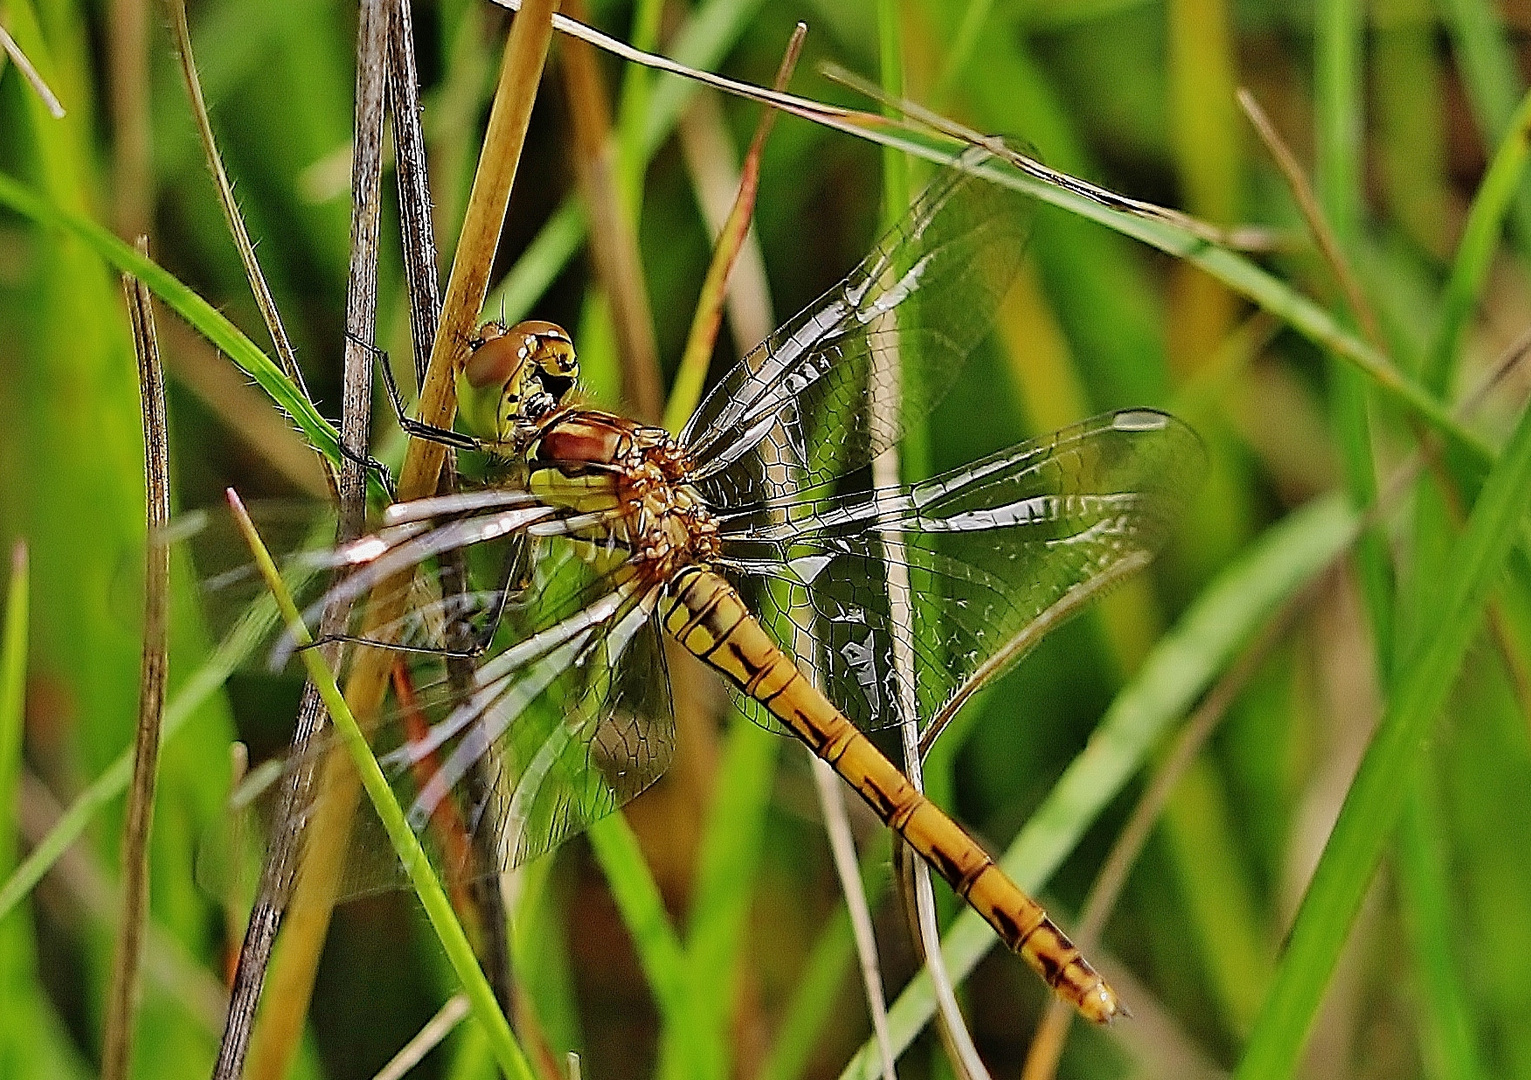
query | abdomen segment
[708, 617]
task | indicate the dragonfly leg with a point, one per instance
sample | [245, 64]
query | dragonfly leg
[471, 652]
[514, 577]
[371, 464]
[446, 436]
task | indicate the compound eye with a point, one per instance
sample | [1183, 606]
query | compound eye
[497, 355]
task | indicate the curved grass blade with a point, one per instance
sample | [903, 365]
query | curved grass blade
[29, 73]
[1492, 204]
[203, 317]
[1448, 1040]
[1234, 270]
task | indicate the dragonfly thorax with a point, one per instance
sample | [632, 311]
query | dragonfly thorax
[631, 479]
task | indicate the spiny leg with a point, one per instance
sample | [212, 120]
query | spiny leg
[410, 426]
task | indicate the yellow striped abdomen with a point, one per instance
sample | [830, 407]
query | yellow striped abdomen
[710, 619]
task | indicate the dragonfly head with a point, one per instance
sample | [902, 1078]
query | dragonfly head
[514, 376]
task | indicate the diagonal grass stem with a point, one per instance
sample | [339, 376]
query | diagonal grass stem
[438, 909]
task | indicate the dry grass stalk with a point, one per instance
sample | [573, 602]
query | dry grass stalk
[128, 61]
[122, 1004]
[468, 283]
[281, 1025]
[426, 1039]
[613, 239]
[34, 80]
[1318, 223]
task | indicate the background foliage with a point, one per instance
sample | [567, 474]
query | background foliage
[741, 962]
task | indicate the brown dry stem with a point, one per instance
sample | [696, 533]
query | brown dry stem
[613, 238]
[122, 1004]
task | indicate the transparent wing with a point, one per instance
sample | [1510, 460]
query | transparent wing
[816, 394]
[567, 719]
[301, 536]
[913, 597]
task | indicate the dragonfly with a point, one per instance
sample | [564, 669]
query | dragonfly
[764, 541]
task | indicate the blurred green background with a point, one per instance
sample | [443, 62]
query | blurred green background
[1394, 109]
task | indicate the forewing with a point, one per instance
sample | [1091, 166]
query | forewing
[815, 396]
[913, 597]
[567, 719]
[485, 532]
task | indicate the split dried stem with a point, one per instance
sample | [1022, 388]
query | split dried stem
[525, 55]
[122, 1003]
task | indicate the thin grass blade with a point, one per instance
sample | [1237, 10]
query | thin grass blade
[1377, 795]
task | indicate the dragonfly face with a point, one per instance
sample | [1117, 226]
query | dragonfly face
[513, 377]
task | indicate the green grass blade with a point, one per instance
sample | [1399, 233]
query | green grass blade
[75, 485]
[1180, 668]
[1495, 198]
[660, 952]
[254, 628]
[1377, 795]
[454, 941]
[1104, 296]
[1221, 909]
[15, 979]
[1315, 323]
[1490, 73]
[1445, 1018]
[818, 987]
[825, 978]
[725, 875]
[13, 677]
[206, 319]
[540, 955]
